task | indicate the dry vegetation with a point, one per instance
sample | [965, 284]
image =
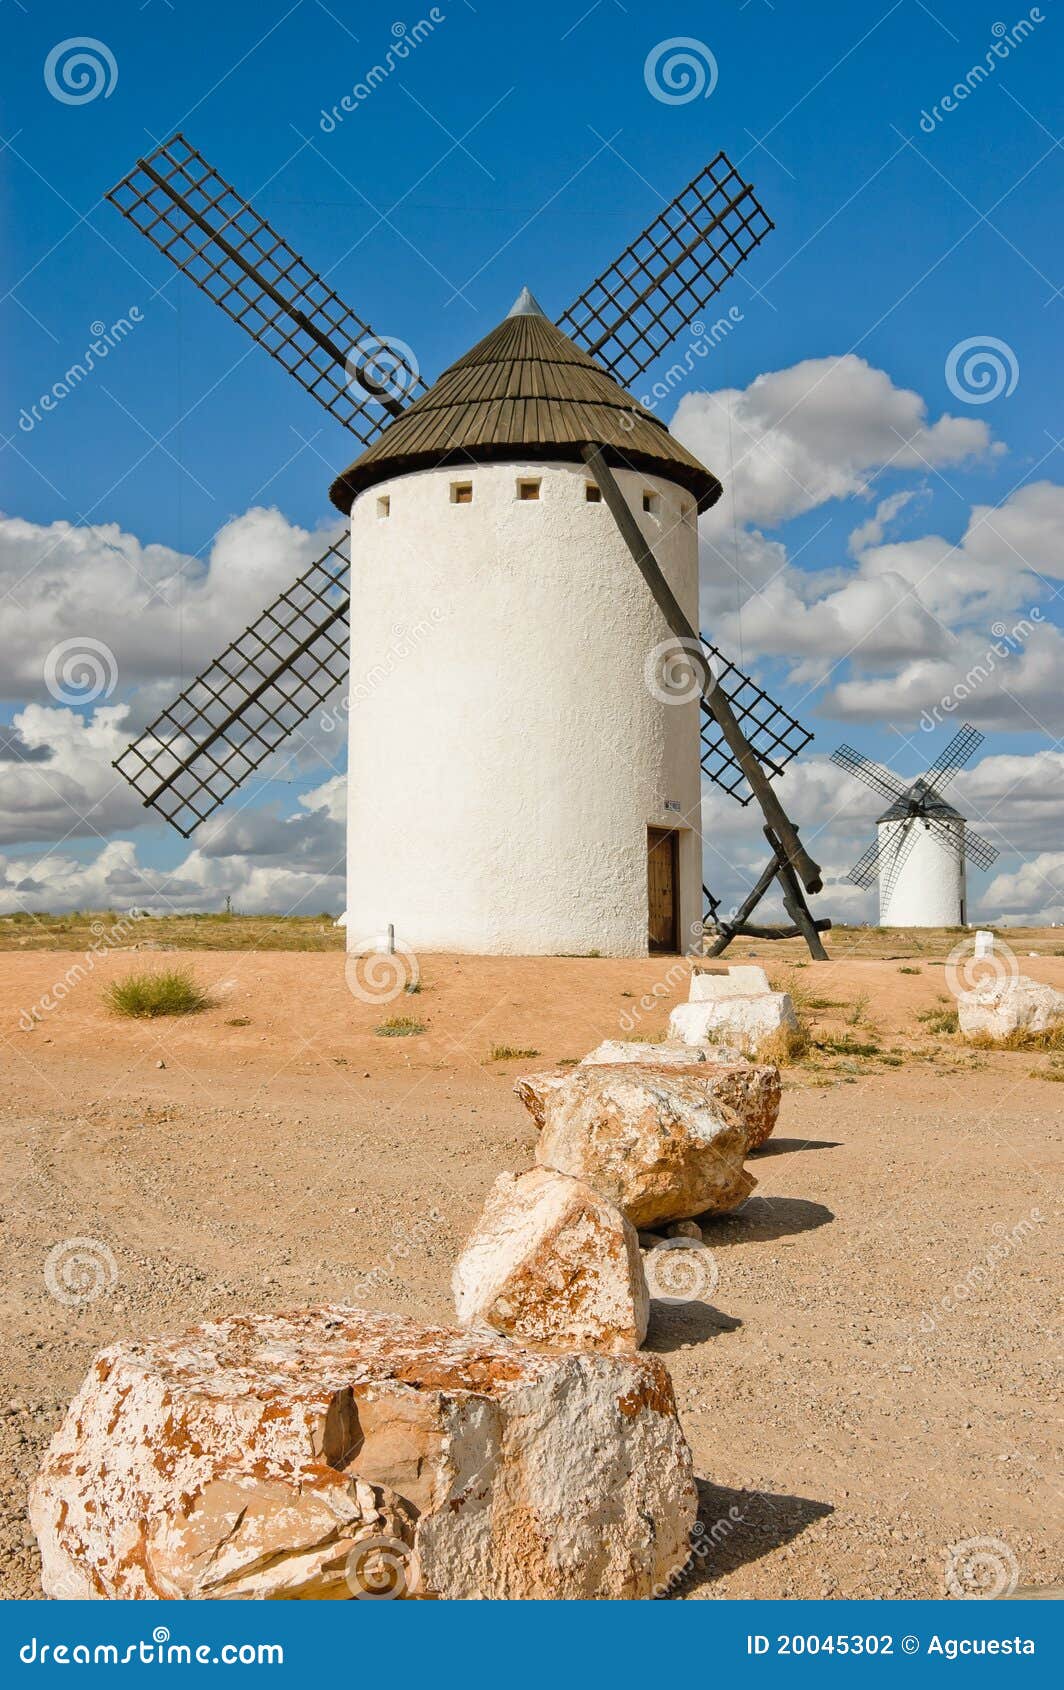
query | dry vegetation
[145, 996]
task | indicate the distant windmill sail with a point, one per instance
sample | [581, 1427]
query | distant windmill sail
[917, 809]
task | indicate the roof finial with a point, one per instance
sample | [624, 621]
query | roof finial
[526, 305]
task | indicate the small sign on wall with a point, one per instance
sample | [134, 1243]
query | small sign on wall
[673, 804]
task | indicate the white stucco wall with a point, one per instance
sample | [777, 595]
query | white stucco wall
[506, 755]
[930, 888]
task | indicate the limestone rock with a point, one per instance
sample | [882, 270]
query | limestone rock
[744, 1021]
[534, 1090]
[663, 1144]
[740, 980]
[659, 1056]
[1004, 1006]
[332, 1452]
[549, 1262]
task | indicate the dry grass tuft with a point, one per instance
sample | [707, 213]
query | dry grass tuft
[786, 1047]
[511, 1053]
[939, 1021]
[144, 996]
[1022, 1038]
[400, 1027]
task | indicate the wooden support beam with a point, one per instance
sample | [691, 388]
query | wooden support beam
[722, 712]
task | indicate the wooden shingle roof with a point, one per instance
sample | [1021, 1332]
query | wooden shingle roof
[526, 391]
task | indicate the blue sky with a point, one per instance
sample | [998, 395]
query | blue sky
[516, 146]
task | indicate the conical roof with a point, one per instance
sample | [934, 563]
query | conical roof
[931, 803]
[524, 391]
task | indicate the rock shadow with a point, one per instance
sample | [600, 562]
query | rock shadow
[761, 1219]
[783, 1146]
[735, 1527]
[674, 1326]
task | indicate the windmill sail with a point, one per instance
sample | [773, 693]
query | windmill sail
[774, 734]
[668, 274]
[214, 236]
[233, 716]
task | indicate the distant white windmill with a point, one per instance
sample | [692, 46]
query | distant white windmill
[922, 843]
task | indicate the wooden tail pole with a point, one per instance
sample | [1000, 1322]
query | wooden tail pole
[775, 815]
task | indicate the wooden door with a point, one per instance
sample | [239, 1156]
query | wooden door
[663, 885]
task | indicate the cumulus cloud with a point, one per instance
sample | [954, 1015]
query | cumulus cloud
[819, 430]
[163, 614]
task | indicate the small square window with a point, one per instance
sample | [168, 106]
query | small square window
[593, 493]
[650, 500]
[384, 506]
[528, 489]
[461, 492]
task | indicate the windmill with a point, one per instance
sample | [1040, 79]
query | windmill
[519, 783]
[922, 843]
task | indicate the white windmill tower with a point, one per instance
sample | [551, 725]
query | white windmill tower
[923, 844]
[524, 760]
[475, 520]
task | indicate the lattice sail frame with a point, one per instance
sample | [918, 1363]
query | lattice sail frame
[669, 273]
[233, 716]
[774, 734]
[213, 235]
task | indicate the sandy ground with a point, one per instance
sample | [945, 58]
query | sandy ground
[874, 1380]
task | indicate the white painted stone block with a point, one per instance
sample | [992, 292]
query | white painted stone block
[742, 981]
[742, 1021]
[984, 943]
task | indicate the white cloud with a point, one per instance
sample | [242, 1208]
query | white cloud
[1032, 895]
[819, 430]
[162, 613]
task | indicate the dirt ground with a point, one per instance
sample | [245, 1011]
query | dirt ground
[875, 1379]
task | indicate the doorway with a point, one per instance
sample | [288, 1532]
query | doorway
[663, 889]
